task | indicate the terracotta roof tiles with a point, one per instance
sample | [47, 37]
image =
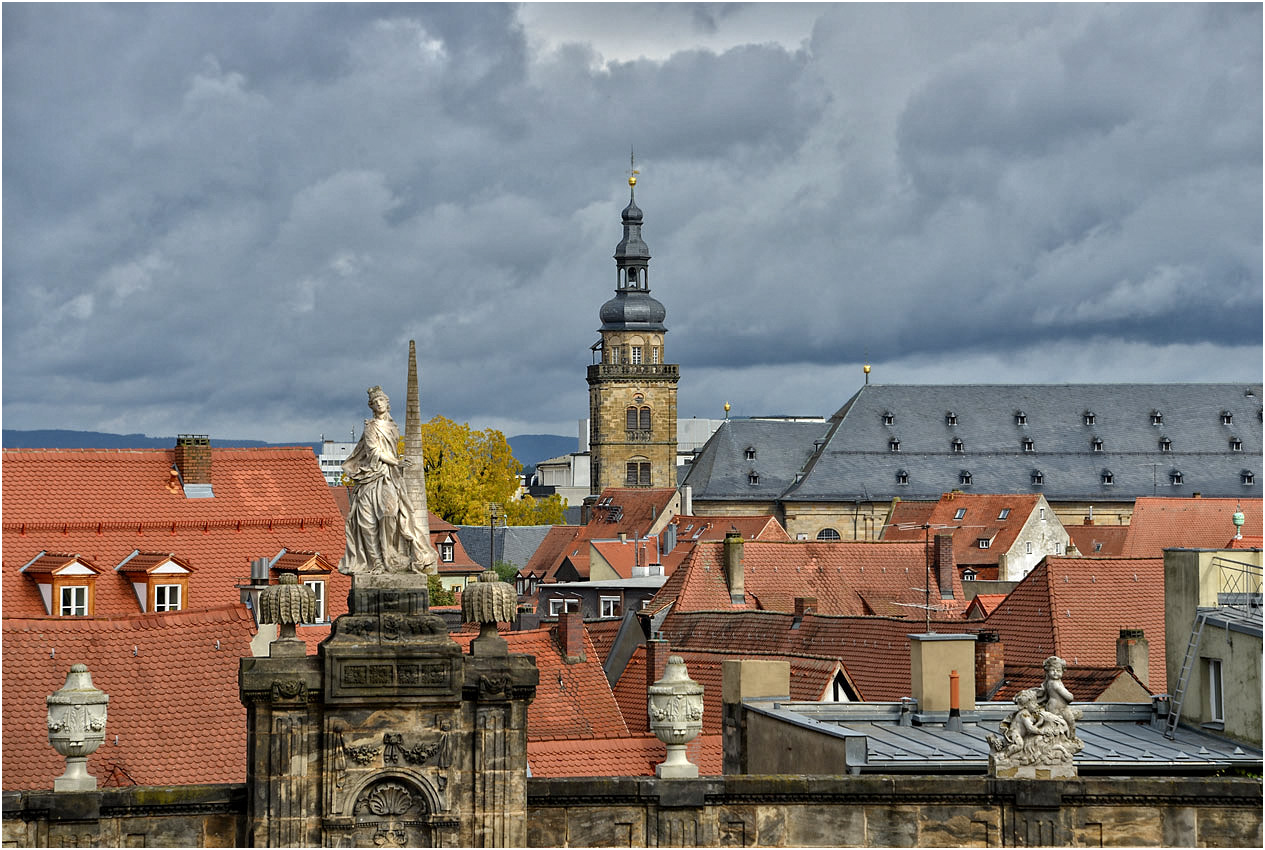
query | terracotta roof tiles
[622, 756]
[1160, 524]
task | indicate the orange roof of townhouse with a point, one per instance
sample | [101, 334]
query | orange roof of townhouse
[1098, 541]
[106, 505]
[810, 680]
[1076, 607]
[624, 756]
[630, 511]
[603, 634]
[997, 518]
[572, 700]
[551, 549]
[983, 604]
[1087, 684]
[846, 577]
[174, 715]
[1160, 524]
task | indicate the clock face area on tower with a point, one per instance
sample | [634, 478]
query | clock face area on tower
[632, 391]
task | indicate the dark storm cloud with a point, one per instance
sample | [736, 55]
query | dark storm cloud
[232, 218]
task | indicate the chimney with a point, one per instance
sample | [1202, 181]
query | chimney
[656, 660]
[804, 605]
[990, 665]
[942, 561]
[571, 636]
[687, 500]
[1133, 651]
[733, 566]
[930, 656]
[193, 458]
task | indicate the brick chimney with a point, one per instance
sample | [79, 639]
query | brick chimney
[942, 562]
[1133, 651]
[571, 636]
[733, 566]
[990, 665]
[804, 605]
[656, 659]
[193, 458]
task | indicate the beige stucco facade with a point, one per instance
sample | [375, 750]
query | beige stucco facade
[1042, 534]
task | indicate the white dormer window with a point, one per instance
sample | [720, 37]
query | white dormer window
[1236, 445]
[1227, 417]
[902, 477]
[1096, 444]
[166, 597]
[958, 447]
[74, 601]
[964, 477]
[753, 478]
[1107, 477]
[1247, 476]
[317, 586]
[750, 452]
[1021, 418]
[1166, 445]
[1038, 477]
[446, 552]
[1090, 418]
[950, 418]
[984, 542]
[889, 418]
[893, 445]
[1157, 418]
[1176, 477]
[1029, 445]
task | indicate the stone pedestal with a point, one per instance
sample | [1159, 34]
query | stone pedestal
[389, 736]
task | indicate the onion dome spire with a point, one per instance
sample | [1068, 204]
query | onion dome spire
[632, 308]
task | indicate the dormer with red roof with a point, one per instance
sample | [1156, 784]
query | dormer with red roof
[67, 583]
[161, 580]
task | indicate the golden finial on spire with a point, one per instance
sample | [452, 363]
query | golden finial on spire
[632, 168]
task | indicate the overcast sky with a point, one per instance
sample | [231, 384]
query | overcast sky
[231, 219]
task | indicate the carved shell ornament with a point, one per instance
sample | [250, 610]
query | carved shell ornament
[388, 799]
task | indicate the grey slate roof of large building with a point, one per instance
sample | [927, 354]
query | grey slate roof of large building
[515, 544]
[857, 461]
[722, 469]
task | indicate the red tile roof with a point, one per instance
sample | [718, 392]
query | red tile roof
[107, 504]
[551, 549]
[172, 681]
[632, 511]
[625, 756]
[846, 577]
[1076, 607]
[981, 520]
[1098, 541]
[602, 633]
[1160, 524]
[572, 700]
[1087, 684]
[984, 603]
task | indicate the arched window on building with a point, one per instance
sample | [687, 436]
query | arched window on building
[828, 534]
[630, 418]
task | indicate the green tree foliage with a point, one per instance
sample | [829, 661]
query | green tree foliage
[505, 570]
[467, 469]
[439, 595]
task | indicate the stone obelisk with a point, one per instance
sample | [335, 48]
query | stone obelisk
[415, 473]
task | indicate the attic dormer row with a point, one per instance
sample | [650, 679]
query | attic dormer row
[1087, 418]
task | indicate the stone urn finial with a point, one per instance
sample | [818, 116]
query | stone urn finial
[76, 727]
[287, 603]
[676, 717]
[487, 602]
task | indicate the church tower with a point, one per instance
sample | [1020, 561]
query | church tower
[632, 391]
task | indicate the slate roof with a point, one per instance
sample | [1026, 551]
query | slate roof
[1076, 607]
[572, 700]
[624, 756]
[982, 518]
[515, 544]
[721, 470]
[174, 713]
[857, 463]
[846, 577]
[107, 504]
[1160, 524]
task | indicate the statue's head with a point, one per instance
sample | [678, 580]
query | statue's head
[1028, 698]
[1054, 666]
[377, 398]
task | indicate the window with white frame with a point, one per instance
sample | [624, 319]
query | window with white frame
[636, 355]
[1038, 477]
[1096, 444]
[1108, 477]
[317, 586]
[610, 606]
[1226, 417]
[1176, 478]
[902, 477]
[74, 600]
[558, 606]
[893, 445]
[1216, 694]
[985, 542]
[166, 597]
[1028, 548]
[654, 354]
[1247, 476]
[827, 534]
[964, 477]
[1236, 445]
[447, 552]
[1090, 418]
[1004, 513]
[753, 478]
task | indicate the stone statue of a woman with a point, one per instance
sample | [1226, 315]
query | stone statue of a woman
[383, 532]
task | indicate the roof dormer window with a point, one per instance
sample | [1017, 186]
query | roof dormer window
[1029, 445]
[1175, 477]
[1166, 445]
[1247, 477]
[1107, 477]
[1157, 418]
[1236, 445]
[1038, 477]
[958, 447]
[160, 580]
[750, 452]
[964, 477]
[950, 418]
[1227, 417]
[1021, 418]
[893, 445]
[902, 477]
[753, 478]
[1090, 418]
[67, 583]
[889, 418]
[984, 542]
[1096, 444]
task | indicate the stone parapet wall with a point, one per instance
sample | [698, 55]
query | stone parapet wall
[767, 811]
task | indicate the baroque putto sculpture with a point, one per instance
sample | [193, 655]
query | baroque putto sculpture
[1038, 739]
[384, 531]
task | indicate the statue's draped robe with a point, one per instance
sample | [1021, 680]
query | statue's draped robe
[382, 530]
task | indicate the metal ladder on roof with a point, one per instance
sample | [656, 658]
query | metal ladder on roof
[1183, 678]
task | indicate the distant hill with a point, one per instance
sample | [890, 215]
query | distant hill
[531, 449]
[61, 439]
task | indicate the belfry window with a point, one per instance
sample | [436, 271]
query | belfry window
[636, 355]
